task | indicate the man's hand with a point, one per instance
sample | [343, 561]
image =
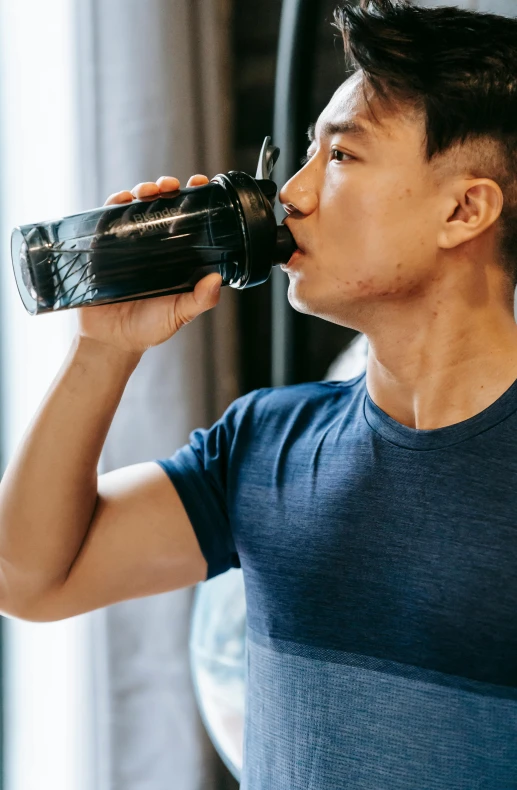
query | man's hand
[132, 327]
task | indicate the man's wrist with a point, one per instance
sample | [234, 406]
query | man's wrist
[95, 349]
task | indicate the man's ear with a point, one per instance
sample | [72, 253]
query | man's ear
[476, 205]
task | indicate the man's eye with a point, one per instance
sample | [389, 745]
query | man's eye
[342, 153]
[305, 159]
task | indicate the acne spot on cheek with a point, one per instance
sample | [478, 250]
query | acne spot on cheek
[367, 286]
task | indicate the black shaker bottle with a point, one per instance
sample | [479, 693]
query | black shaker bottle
[155, 246]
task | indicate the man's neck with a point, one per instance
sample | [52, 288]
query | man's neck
[428, 380]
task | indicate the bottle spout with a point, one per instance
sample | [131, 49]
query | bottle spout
[285, 245]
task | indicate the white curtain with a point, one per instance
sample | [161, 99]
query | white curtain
[47, 680]
[154, 100]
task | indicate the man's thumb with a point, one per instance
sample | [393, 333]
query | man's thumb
[206, 292]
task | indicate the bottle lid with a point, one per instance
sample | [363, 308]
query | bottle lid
[258, 225]
[253, 199]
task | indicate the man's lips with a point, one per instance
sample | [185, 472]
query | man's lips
[297, 252]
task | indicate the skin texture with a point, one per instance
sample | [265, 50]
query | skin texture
[404, 251]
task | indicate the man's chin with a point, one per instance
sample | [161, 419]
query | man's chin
[300, 298]
[310, 301]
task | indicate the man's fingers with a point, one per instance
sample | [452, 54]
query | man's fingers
[168, 183]
[148, 188]
[207, 290]
[188, 306]
[197, 180]
[119, 197]
[144, 189]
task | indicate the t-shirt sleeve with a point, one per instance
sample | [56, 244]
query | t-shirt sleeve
[199, 473]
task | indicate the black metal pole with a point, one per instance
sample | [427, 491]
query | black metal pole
[293, 89]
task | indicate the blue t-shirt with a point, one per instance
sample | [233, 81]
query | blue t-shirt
[380, 568]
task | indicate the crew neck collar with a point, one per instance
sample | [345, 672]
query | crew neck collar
[435, 438]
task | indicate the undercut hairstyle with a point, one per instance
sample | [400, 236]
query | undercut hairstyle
[458, 70]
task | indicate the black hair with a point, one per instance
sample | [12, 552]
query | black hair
[456, 67]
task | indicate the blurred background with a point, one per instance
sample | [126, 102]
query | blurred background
[96, 97]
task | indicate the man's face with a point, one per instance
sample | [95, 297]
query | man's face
[365, 210]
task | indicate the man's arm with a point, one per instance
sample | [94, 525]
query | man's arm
[70, 542]
[140, 542]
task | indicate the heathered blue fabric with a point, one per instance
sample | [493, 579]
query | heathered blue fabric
[380, 567]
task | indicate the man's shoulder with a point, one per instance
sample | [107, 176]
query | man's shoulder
[278, 404]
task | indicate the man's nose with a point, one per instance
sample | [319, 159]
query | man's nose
[298, 194]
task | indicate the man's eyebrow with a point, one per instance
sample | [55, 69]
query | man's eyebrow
[339, 127]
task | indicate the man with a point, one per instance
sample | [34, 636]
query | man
[374, 519]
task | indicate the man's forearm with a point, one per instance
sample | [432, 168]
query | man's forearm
[49, 490]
